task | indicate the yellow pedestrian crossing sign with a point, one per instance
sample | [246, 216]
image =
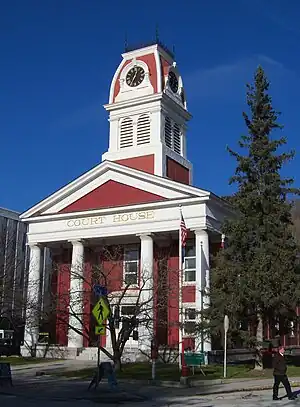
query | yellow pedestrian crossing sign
[100, 330]
[101, 311]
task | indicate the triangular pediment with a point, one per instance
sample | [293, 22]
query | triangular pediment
[112, 185]
[112, 194]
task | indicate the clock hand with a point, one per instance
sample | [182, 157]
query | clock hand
[133, 78]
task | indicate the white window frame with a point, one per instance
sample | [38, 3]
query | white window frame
[187, 269]
[128, 249]
[127, 305]
[126, 302]
[185, 309]
[186, 282]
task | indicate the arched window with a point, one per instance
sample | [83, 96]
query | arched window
[177, 139]
[126, 133]
[168, 132]
[143, 130]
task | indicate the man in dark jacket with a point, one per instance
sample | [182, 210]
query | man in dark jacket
[279, 366]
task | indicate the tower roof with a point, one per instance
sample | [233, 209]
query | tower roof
[133, 47]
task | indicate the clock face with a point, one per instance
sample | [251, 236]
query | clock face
[173, 82]
[135, 76]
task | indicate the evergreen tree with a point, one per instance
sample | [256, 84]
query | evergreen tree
[255, 279]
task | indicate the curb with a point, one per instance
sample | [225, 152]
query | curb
[241, 390]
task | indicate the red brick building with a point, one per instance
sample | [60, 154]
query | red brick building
[132, 199]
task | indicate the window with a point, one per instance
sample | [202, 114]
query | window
[189, 321]
[126, 133]
[168, 132]
[190, 262]
[128, 310]
[143, 130]
[176, 139]
[173, 135]
[131, 266]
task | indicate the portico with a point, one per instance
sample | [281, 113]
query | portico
[140, 227]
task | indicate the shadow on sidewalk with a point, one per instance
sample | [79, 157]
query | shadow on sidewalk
[61, 389]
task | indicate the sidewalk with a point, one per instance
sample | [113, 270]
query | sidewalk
[238, 385]
[52, 388]
[200, 387]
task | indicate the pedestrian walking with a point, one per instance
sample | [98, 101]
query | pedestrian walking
[280, 376]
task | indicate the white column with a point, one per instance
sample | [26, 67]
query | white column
[75, 339]
[33, 298]
[146, 331]
[202, 282]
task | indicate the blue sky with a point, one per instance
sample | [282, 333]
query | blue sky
[58, 58]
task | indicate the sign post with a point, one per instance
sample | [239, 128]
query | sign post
[154, 354]
[101, 312]
[226, 327]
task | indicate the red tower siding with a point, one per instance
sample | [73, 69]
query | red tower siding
[145, 163]
[155, 296]
[63, 298]
[151, 62]
[111, 266]
[111, 194]
[173, 303]
[177, 172]
[189, 343]
[117, 83]
[106, 268]
[87, 299]
[165, 66]
[189, 293]
[162, 292]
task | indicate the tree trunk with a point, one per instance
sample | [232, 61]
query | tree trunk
[117, 361]
[259, 340]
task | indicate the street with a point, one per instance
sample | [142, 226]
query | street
[51, 392]
[258, 399]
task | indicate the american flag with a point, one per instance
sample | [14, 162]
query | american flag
[183, 231]
[183, 236]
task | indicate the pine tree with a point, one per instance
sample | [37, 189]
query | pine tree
[255, 277]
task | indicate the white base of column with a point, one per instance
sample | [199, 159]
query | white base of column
[144, 343]
[31, 337]
[75, 340]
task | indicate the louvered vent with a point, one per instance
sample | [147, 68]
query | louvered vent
[126, 133]
[143, 130]
[177, 139]
[168, 132]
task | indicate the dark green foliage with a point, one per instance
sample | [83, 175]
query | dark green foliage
[254, 277]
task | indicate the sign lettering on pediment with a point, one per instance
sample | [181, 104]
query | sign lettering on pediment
[110, 219]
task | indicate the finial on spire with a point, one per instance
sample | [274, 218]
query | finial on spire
[173, 50]
[156, 33]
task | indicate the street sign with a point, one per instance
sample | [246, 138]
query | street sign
[100, 330]
[101, 311]
[226, 323]
[99, 290]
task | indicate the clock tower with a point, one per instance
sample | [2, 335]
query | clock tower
[148, 114]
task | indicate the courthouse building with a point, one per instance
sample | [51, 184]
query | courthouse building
[132, 199]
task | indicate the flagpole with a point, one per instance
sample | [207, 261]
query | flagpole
[180, 344]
